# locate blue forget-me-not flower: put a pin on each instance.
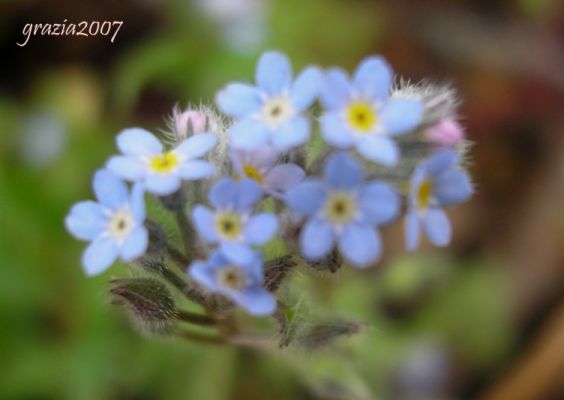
(272, 111)
(113, 225)
(161, 173)
(343, 209)
(435, 183)
(361, 114)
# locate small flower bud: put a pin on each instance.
(326, 333)
(189, 122)
(446, 133)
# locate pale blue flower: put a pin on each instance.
(242, 282)
(231, 224)
(271, 112)
(161, 172)
(435, 183)
(361, 115)
(114, 225)
(343, 209)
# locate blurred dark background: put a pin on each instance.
(481, 319)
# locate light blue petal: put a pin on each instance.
(373, 78)
(292, 134)
(452, 186)
(196, 146)
(248, 193)
(380, 149)
(306, 198)
(343, 171)
(204, 274)
(401, 115)
(306, 87)
(360, 245)
(439, 162)
(86, 220)
(248, 134)
(109, 189)
(162, 184)
(196, 169)
(204, 222)
(127, 167)
(379, 203)
(99, 255)
(283, 177)
(335, 132)
(411, 230)
(436, 226)
(223, 194)
(260, 228)
(335, 89)
(138, 202)
(255, 270)
(256, 300)
(135, 245)
(238, 100)
(316, 239)
(138, 142)
(237, 253)
(274, 72)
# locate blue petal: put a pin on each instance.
(401, 115)
(335, 132)
(379, 149)
(373, 78)
(306, 198)
(138, 202)
(238, 100)
(292, 134)
(335, 89)
(411, 230)
(283, 177)
(360, 244)
(204, 274)
(135, 245)
(248, 193)
(99, 255)
(379, 203)
(452, 187)
(196, 169)
(127, 167)
(237, 253)
(316, 239)
(436, 226)
(248, 134)
(256, 300)
(343, 171)
(109, 189)
(260, 228)
(138, 142)
(223, 194)
(196, 146)
(274, 72)
(86, 220)
(306, 87)
(162, 184)
(204, 222)
(439, 162)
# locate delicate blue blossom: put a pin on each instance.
(240, 281)
(271, 112)
(361, 114)
(435, 183)
(232, 224)
(343, 209)
(259, 165)
(114, 225)
(161, 172)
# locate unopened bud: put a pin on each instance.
(326, 333)
(189, 122)
(446, 133)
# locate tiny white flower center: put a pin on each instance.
(232, 277)
(340, 208)
(120, 225)
(276, 111)
(228, 225)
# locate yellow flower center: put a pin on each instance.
(340, 208)
(424, 194)
(252, 173)
(362, 116)
(232, 277)
(164, 163)
(228, 225)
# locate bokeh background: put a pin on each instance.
(481, 319)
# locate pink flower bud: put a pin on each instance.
(189, 122)
(446, 133)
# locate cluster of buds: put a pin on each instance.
(266, 169)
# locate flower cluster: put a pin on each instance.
(236, 182)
